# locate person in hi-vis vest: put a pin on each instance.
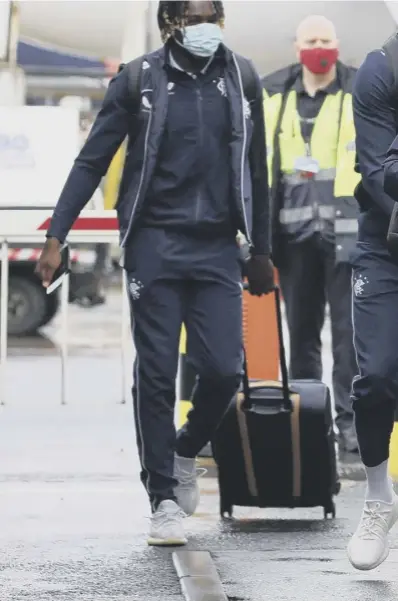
(311, 159)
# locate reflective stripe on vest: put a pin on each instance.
(303, 214)
(346, 226)
(341, 226)
(324, 175)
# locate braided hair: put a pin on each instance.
(172, 15)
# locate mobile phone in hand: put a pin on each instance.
(63, 269)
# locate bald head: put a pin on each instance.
(316, 31)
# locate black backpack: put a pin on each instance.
(249, 79)
(390, 47)
(391, 50)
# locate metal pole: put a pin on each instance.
(3, 321)
(14, 36)
(148, 27)
(134, 35)
(133, 44)
(12, 77)
(64, 335)
(125, 335)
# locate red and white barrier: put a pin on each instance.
(29, 226)
(26, 225)
(32, 255)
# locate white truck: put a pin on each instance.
(37, 148)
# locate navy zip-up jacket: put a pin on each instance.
(116, 119)
(190, 189)
(376, 127)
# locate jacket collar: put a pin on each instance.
(332, 88)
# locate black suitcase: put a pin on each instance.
(275, 446)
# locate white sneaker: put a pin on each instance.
(187, 490)
(166, 525)
(369, 546)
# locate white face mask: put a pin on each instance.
(202, 39)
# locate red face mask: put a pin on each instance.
(319, 60)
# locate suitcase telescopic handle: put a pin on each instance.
(287, 402)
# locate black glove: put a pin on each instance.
(259, 270)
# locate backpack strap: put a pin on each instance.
(390, 47)
(134, 69)
(249, 79)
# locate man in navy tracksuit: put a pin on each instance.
(195, 175)
(375, 302)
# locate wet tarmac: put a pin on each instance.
(74, 517)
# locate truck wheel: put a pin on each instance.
(52, 306)
(27, 306)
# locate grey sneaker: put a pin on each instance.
(369, 546)
(166, 525)
(187, 490)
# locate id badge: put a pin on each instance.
(306, 165)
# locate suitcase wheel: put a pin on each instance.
(329, 510)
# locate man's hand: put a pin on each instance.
(260, 275)
(49, 261)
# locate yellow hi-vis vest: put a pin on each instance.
(113, 178)
(331, 146)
